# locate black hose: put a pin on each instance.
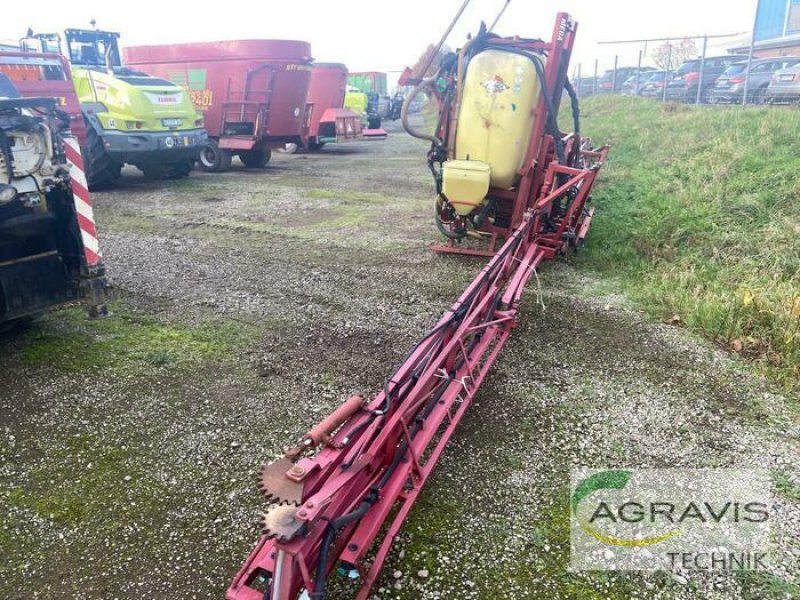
(333, 527)
(576, 111)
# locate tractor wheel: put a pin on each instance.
(255, 159)
(374, 122)
(14, 325)
(101, 170)
(212, 159)
(315, 146)
(167, 171)
(183, 168)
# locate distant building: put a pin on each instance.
(777, 30)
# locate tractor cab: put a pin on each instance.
(93, 48)
(88, 48)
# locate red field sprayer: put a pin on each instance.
(338, 499)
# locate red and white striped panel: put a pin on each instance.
(83, 201)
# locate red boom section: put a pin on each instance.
(331, 507)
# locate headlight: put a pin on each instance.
(7, 193)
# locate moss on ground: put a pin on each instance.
(129, 340)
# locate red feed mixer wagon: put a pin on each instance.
(328, 120)
(252, 93)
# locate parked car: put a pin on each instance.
(729, 87)
(784, 88)
(585, 87)
(684, 85)
(653, 86)
(630, 87)
(608, 80)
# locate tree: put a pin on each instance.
(681, 51)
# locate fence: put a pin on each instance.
(693, 81)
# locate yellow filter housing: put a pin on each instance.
(495, 118)
(465, 183)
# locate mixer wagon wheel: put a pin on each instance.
(101, 170)
(255, 159)
(315, 146)
(212, 159)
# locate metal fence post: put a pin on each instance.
(702, 71)
(594, 83)
(614, 76)
(638, 74)
(666, 74)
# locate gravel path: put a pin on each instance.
(118, 481)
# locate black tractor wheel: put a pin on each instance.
(374, 122)
(101, 170)
(255, 159)
(316, 146)
(175, 170)
(212, 159)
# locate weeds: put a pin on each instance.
(698, 221)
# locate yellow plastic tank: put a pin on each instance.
(495, 119)
(465, 183)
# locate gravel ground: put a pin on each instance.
(131, 477)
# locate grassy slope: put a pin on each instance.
(700, 219)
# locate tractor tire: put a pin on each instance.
(374, 122)
(167, 171)
(255, 159)
(214, 160)
(101, 170)
(316, 146)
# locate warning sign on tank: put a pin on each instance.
(495, 85)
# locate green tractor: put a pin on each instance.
(131, 117)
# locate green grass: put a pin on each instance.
(348, 196)
(86, 484)
(758, 585)
(699, 218)
(785, 487)
(129, 341)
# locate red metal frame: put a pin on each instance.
(374, 457)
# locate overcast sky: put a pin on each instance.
(380, 34)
